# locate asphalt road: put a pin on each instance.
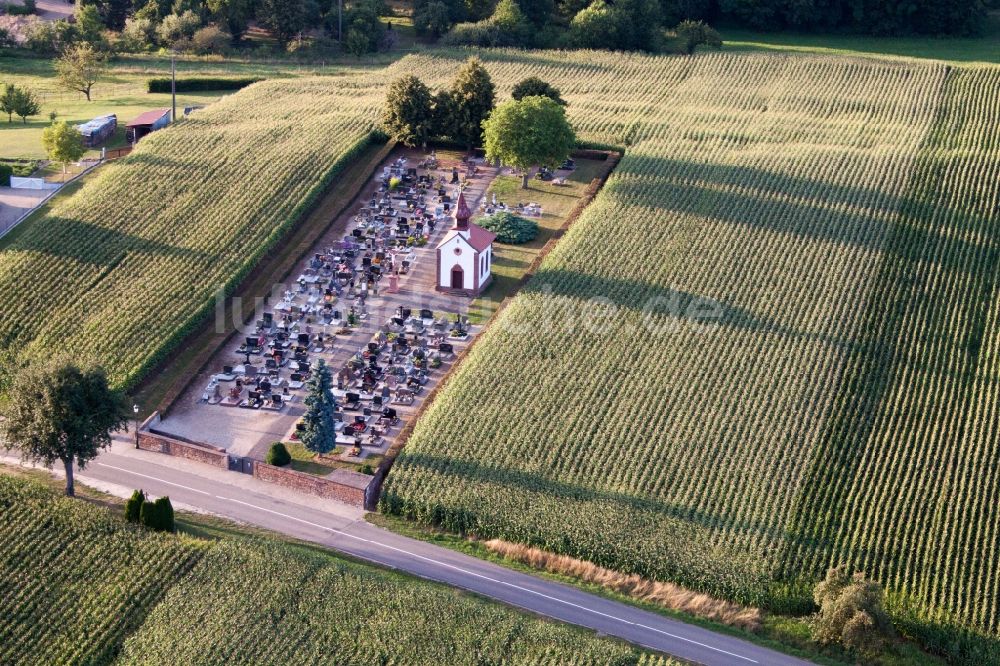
(368, 542)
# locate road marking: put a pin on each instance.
(440, 564)
(493, 580)
(152, 478)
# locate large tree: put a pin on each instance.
(57, 411)
(63, 143)
(408, 115)
(234, 14)
(472, 96)
(533, 130)
(284, 19)
(319, 434)
(80, 67)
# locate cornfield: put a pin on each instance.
(75, 581)
(124, 268)
(793, 361)
(799, 368)
(81, 586)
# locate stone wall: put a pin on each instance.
(151, 441)
(351, 491)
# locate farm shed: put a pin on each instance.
(147, 122)
(97, 131)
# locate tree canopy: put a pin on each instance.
(80, 67)
(63, 143)
(526, 132)
(408, 115)
(472, 97)
(59, 412)
(319, 434)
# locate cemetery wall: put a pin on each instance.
(314, 485)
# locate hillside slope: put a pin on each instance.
(768, 347)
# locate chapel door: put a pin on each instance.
(457, 278)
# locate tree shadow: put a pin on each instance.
(805, 207)
(95, 245)
(471, 470)
(650, 299)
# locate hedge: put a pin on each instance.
(199, 84)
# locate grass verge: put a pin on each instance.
(790, 635)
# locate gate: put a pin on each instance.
(242, 465)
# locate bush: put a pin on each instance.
(852, 613)
(506, 27)
(164, 514)
(432, 19)
(6, 171)
(692, 34)
(133, 507)
(278, 455)
(176, 29)
(198, 84)
(367, 469)
(511, 229)
(211, 39)
(138, 35)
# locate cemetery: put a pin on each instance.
(378, 310)
(366, 305)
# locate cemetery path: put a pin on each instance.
(342, 528)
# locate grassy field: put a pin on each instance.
(983, 48)
(765, 349)
(123, 91)
(512, 261)
(82, 586)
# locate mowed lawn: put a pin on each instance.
(984, 48)
(122, 92)
(511, 262)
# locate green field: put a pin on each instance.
(81, 586)
(143, 248)
(793, 364)
(983, 48)
(123, 92)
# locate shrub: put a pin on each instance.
(506, 27)
(278, 455)
(133, 507)
(6, 171)
(432, 19)
(692, 34)
(148, 515)
(211, 39)
(177, 28)
(198, 84)
(138, 35)
(164, 515)
(511, 229)
(851, 612)
(366, 469)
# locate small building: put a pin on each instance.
(147, 122)
(465, 255)
(97, 131)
